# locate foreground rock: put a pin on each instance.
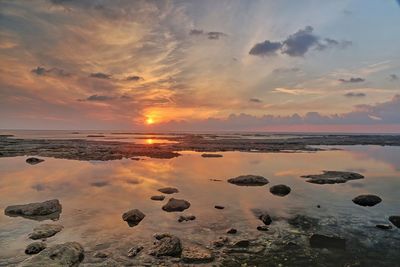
(33, 161)
(167, 245)
(133, 217)
(158, 198)
(209, 155)
(45, 231)
(196, 254)
(280, 190)
(133, 251)
(248, 180)
(265, 218)
(395, 220)
(185, 218)
(35, 248)
(32, 210)
(176, 205)
(62, 255)
(383, 226)
(367, 200)
(332, 177)
(231, 231)
(323, 241)
(168, 190)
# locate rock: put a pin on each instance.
(280, 190)
(160, 236)
(395, 220)
(32, 210)
(35, 248)
(248, 180)
(133, 251)
(133, 217)
(323, 241)
(265, 218)
(222, 240)
(184, 218)
(196, 254)
(383, 226)
(175, 205)
(262, 228)
(218, 207)
(319, 206)
(168, 190)
(100, 255)
(167, 246)
(61, 255)
(332, 177)
(303, 222)
(34, 161)
(367, 200)
(241, 244)
(45, 231)
(207, 155)
(158, 198)
(231, 231)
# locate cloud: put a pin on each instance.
(297, 44)
(352, 80)
(196, 32)
(100, 75)
(265, 48)
(255, 100)
(294, 91)
(134, 78)
(99, 98)
(213, 35)
(352, 94)
(285, 70)
(41, 71)
(393, 77)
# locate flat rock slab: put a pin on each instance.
(167, 246)
(209, 155)
(45, 231)
(168, 190)
(32, 210)
(248, 180)
(35, 248)
(367, 200)
(176, 205)
(133, 217)
(323, 241)
(332, 177)
(69, 254)
(158, 198)
(33, 161)
(395, 220)
(196, 254)
(280, 190)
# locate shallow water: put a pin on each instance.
(95, 194)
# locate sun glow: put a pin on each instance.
(149, 120)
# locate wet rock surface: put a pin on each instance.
(135, 250)
(67, 254)
(133, 217)
(35, 210)
(248, 180)
(45, 231)
(158, 198)
(196, 254)
(332, 177)
(34, 161)
(168, 190)
(35, 248)
(176, 205)
(280, 190)
(168, 245)
(367, 200)
(323, 241)
(395, 220)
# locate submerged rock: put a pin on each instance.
(218, 207)
(32, 210)
(248, 180)
(323, 241)
(280, 190)
(395, 220)
(44, 231)
(69, 254)
(176, 205)
(158, 198)
(383, 226)
(332, 177)
(262, 228)
(35, 248)
(133, 251)
(184, 218)
(196, 254)
(220, 242)
(209, 155)
(167, 246)
(168, 190)
(265, 218)
(100, 255)
(133, 217)
(367, 200)
(33, 161)
(231, 231)
(304, 222)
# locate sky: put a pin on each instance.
(259, 65)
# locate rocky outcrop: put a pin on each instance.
(168, 245)
(168, 190)
(332, 177)
(32, 210)
(280, 190)
(133, 217)
(248, 180)
(45, 231)
(176, 205)
(367, 200)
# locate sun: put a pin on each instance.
(149, 120)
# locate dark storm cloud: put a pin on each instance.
(352, 94)
(100, 75)
(255, 100)
(297, 44)
(99, 98)
(41, 71)
(134, 78)
(265, 48)
(352, 80)
(210, 35)
(393, 77)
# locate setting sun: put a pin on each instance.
(149, 121)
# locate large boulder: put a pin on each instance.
(168, 190)
(248, 180)
(395, 220)
(45, 230)
(168, 245)
(367, 200)
(51, 208)
(176, 205)
(323, 241)
(69, 254)
(133, 217)
(280, 190)
(332, 177)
